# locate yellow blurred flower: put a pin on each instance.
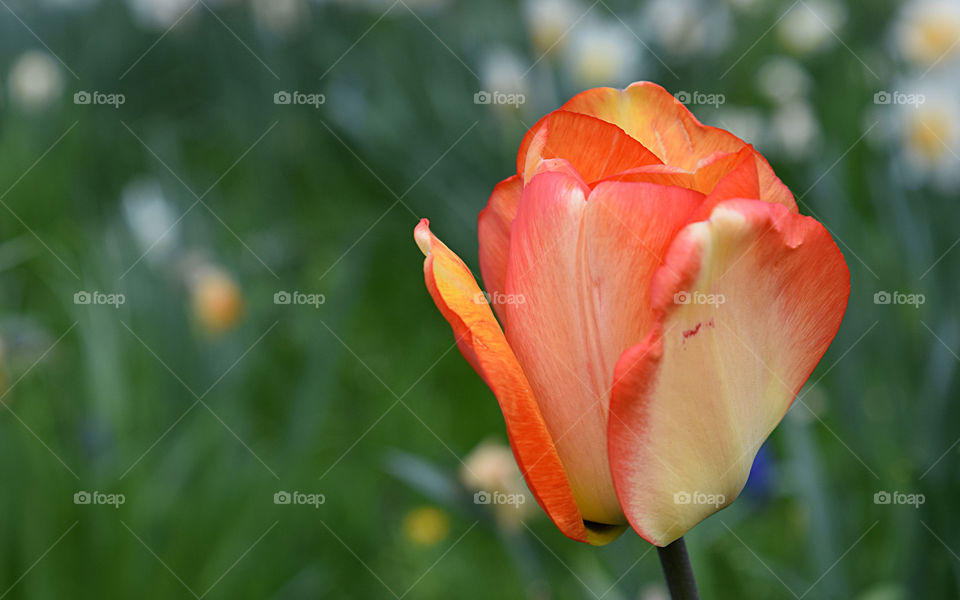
(925, 133)
(549, 22)
(426, 526)
(216, 298)
(928, 119)
(928, 31)
(602, 53)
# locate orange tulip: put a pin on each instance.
(662, 301)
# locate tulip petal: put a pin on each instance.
(482, 343)
(658, 174)
(493, 231)
(652, 116)
(724, 178)
(583, 269)
(694, 401)
(594, 147)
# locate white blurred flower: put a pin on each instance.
(687, 27)
(158, 14)
(654, 591)
(491, 468)
(782, 79)
(36, 81)
(279, 17)
(68, 4)
(748, 124)
(549, 21)
(928, 31)
(745, 5)
(795, 129)
(379, 6)
(503, 71)
(151, 219)
(602, 53)
(812, 25)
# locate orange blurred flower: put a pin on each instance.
(216, 298)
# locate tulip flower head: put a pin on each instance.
(653, 303)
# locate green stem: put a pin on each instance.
(677, 571)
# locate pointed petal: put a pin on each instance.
(692, 404)
(724, 178)
(582, 268)
(652, 116)
(594, 147)
(482, 343)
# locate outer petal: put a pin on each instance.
(692, 404)
(493, 232)
(594, 147)
(651, 115)
(482, 343)
(582, 269)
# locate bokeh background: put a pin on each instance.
(156, 194)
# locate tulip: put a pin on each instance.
(657, 303)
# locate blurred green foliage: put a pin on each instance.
(363, 399)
